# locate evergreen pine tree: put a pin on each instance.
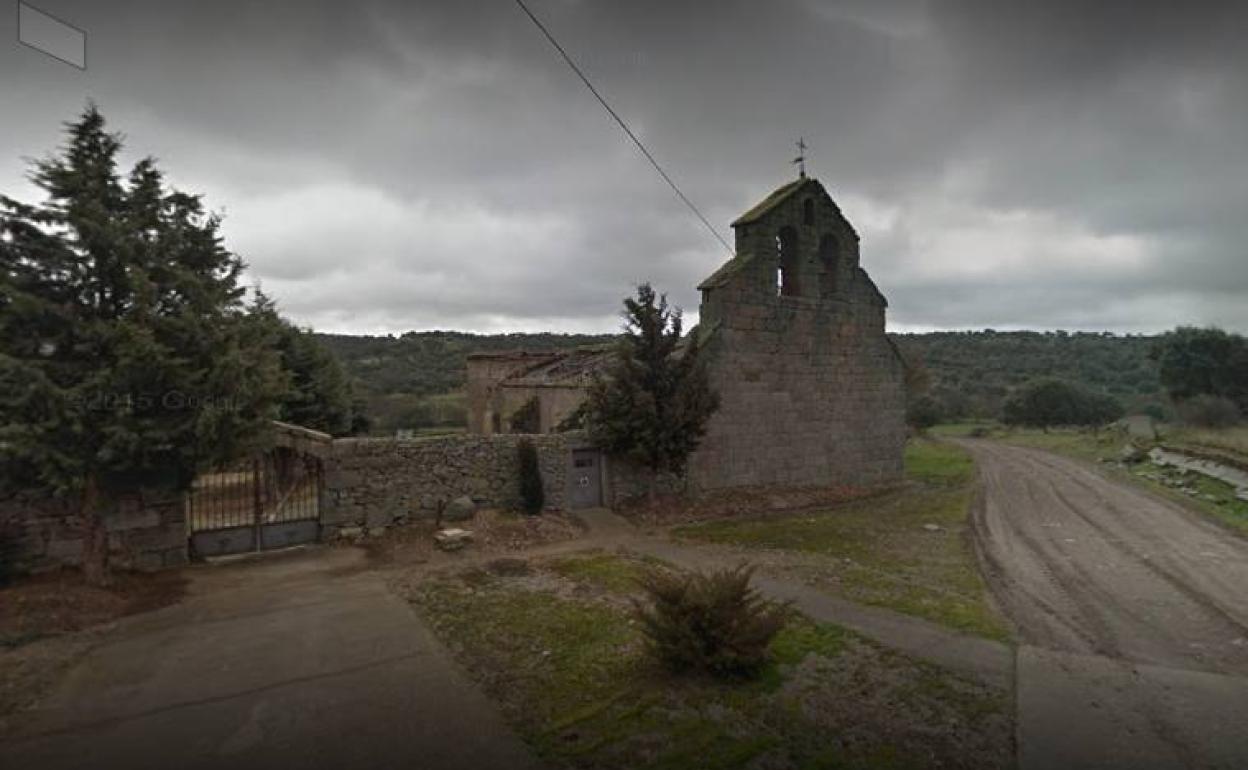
(320, 396)
(127, 360)
(654, 402)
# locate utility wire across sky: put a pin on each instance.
(623, 125)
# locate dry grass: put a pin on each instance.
(493, 531)
(555, 644)
(907, 550)
(60, 602)
(670, 510)
(1232, 441)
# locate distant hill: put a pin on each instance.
(972, 372)
(406, 379)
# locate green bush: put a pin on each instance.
(1051, 402)
(1209, 412)
(532, 493)
(708, 622)
(923, 412)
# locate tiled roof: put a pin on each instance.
(572, 367)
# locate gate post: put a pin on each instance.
(256, 502)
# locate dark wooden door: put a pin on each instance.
(585, 479)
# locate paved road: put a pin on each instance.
(300, 661)
(1132, 610)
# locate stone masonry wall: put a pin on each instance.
(811, 389)
(377, 483)
(148, 532)
(626, 482)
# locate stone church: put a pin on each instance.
(793, 332)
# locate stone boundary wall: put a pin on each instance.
(369, 484)
(39, 532)
(374, 483)
(625, 482)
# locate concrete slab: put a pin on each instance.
(324, 670)
(1081, 711)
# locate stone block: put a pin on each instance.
(148, 561)
(65, 551)
(130, 518)
(461, 508)
(378, 517)
(452, 539)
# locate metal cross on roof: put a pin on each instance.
(800, 160)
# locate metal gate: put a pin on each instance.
(272, 500)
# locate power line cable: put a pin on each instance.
(623, 125)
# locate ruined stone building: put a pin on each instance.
(793, 331)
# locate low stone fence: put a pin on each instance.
(39, 532)
(373, 483)
(369, 484)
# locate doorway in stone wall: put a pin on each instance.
(585, 479)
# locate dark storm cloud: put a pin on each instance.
(386, 166)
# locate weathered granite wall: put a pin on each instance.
(147, 532)
(375, 483)
(811, 389)
(625, 482)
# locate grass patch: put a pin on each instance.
(569, 669)
(603, 570)
(963, 429)
(1229, 441)
(934, 462)
(880, 550)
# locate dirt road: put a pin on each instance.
(1086, 565)
(1132, 615)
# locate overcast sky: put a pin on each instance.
(384, 167)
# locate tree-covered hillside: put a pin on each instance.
(405, 380)
(973, 372)
(416, 380)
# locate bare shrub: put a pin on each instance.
(1209, 412)
(708, 622)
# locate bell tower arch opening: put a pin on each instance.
(788, 265)
(830, 262)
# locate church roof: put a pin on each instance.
(775, 199)
(726, 271)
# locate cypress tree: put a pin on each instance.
(320, 395)
(127, 359)
(532, 492)
(653, 403)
